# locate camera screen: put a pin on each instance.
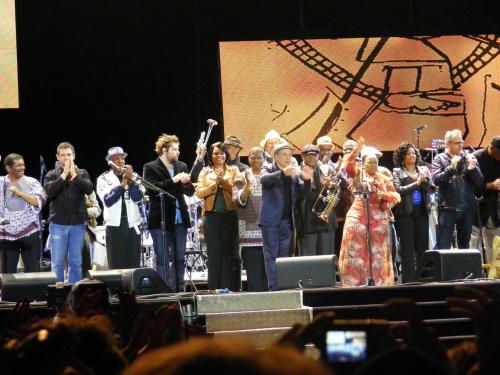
(346, 346)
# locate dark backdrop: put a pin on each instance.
(106, 73)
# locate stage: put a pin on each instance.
(347, 303)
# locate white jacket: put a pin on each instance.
(112, 215)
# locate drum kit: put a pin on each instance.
(196, 257)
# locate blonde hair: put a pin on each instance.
(452, 134)
(165, 141)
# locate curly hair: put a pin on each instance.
(399, 154)
(165, 141)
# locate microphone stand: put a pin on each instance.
(365, 195)
(162, 193)
(417, 131)
(143, 229)
(43, 171)
(480, 239)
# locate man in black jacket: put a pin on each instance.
(316, 236)
(489, 208)
(171, 175)
(66, 187)
(456, 174)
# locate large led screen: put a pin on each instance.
(9, 93)
(380, 88)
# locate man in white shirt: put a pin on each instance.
(121, 196)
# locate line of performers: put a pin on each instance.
(253, 214)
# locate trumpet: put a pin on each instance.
(201, 145)
(133, 176)
(204, 139)
(326, 203)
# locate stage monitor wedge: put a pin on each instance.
(142, 281)
(307, 272)
(33, 285)
(448, 265)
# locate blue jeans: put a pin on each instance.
(276, 244)
(447, 221)
(176, 243)
(67, 241)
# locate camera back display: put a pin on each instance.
(346, 346)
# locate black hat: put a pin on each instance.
(309, 149)
(495, 142)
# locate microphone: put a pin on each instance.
(420, 128)
(212, 122)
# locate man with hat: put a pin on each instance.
(347, 148)
(456, 174)
(325, 147)
(337, 172)
(316, 236)
(271, 138)
(488, 159)
(233, 145)
(121, 196)
(282, 185)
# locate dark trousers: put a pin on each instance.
(276, 243)
(253, 261)
(447, 221)
(224, 261)
(29, 249)
(123, 247)
(318, 243)
(171, 262)
(413, 233)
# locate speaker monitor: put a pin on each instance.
(142, 281)
(307, 272)
(33, 285)
(442, 265)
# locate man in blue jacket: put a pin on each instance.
(281, 188)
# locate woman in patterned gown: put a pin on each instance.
(354, 259)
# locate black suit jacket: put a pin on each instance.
(405, 186)
(157, 173)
